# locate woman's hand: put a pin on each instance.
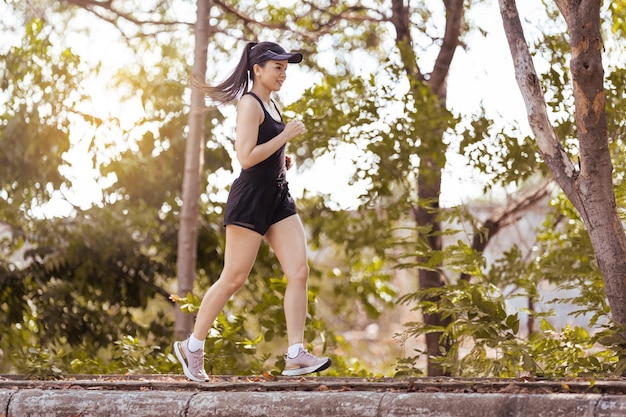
(293, 128)
(288, 161)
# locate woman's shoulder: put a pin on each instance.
(249, 101)
(248, 105)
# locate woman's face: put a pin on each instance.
(271, 75)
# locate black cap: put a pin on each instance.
(266, 51)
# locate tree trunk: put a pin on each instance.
(194, 160)
(589, 188)
(426, 214)
(432, 151)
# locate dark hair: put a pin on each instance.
(237, 83)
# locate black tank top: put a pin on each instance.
(273, 168)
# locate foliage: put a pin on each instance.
(134, 357)
(38, 92)
(487, 342)
(91, 293)
(341, 111)
(562, 256)
(618, 14)
(39, 363)
(85, 296)
(128, 356)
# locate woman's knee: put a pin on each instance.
(298, 275)
(233, 281)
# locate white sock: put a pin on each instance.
(293, 350)
(194, 344)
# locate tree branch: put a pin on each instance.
(550, 148)
(400, 20)
(247, 18)
(454, 15)
(93, 5)
(353, 14)
(505, 216)
(106, 11)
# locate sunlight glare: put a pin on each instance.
(101, 129)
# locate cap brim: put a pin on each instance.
(291, 57)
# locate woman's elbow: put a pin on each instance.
(245, 163)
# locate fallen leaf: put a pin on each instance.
(268, 375)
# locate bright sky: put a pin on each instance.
(481, 74)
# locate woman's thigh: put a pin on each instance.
(288, 241)
(242, 247)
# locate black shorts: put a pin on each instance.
(258, 206)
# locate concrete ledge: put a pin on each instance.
(271, 404)
(255, 397)
(5, 398)
(40, 403)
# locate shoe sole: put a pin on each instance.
(308, 370)
(181, 359)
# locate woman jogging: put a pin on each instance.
(259, 206)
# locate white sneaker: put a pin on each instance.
(193, 362)
(305, 363)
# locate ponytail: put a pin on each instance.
(237, 83)
(232, 87)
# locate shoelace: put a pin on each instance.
(307, 355)
(196, 361)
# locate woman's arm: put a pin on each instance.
(249, 117)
